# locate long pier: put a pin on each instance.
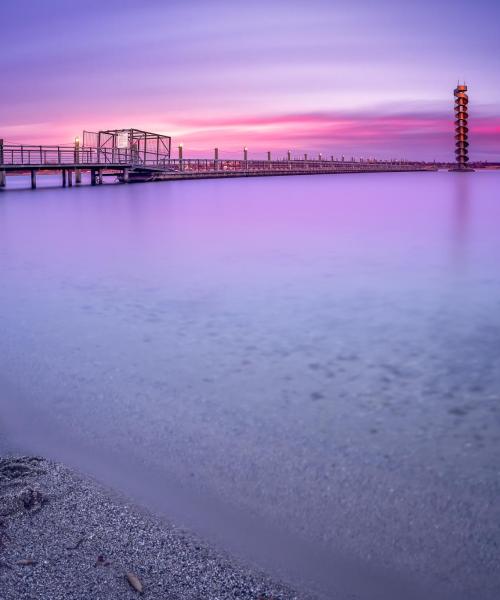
(139, 164)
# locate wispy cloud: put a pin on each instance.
(416, 134)
(323, 76)
(412, 134)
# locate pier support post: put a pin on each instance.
(92, 177)
(33, 179)
(70, 178)
(125, 175)
(63, 174)
(99, 176)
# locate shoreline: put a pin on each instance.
(65, 536)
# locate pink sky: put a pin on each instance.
(358, 79)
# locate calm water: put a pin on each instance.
(305, 371)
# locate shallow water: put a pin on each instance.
(304, 370)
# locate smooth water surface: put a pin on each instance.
(304, 370)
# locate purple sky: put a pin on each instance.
(363, 78)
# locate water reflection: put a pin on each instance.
(461, 217)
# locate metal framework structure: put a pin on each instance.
(131, 146)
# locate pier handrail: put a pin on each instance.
(145, 165)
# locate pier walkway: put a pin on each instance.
(138, 163)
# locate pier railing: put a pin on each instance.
(186, 166)
(32, 156)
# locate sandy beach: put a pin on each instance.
(65, 537)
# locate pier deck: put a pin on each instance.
(129, 166)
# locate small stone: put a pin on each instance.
(134, 582)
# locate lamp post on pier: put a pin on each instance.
(179, 148)
(78, 172)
